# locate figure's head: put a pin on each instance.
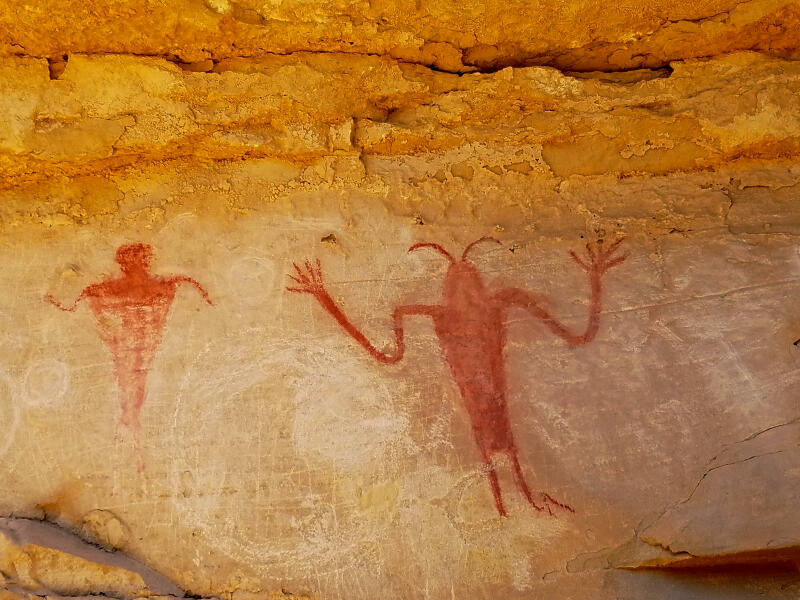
(134, 257)
(462, 276)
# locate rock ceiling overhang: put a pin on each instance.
(456, 37)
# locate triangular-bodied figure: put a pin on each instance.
(131, 313)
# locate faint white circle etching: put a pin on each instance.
(253, 278)
(209, 494)
(45, 382)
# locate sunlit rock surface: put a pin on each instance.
(449, 36)
(222, 197)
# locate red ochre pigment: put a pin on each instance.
(131, 313)
(470, 323)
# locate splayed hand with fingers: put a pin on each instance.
(309, 280)
(599, 258)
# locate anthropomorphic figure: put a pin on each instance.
(470, 322)
(131, 312)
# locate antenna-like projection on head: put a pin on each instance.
(476, 242)
(436, 247)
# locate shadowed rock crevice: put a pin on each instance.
(736, 516)
(622, 74)
(42, 558)
(787, 558)
(46, 558)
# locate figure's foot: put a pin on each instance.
(495, 485)
(532, 502)
(551, 504)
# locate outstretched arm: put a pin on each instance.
(191, 281)
(309, 281)
(598, 260)
(72, 307)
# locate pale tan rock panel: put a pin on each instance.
(278, 454)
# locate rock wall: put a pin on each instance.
(284, 367)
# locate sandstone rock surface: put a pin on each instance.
(190, 426)
(450, 36)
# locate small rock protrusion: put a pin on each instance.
(340, 135)
(57, 66)
(496, 169)
(440, 175)
(463, 170)
(220, 7)
(520, 167)
(102, 527)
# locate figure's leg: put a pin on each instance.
(132, 369)
(139, 394)
(137, 449)
(519, 478)
(127, 429)
(523, 487)
(494, 483)
(550, 500)
(132, 394)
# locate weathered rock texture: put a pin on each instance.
(105, 114)
(275, 457)
(450, 36)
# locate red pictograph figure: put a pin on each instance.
(470, 322)
(131, 313)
